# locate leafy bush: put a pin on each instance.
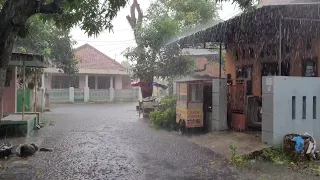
(165, 114)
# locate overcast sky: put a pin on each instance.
(114, 43)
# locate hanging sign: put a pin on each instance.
(183, 89)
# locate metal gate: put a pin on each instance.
(79, 95)
(237, 96)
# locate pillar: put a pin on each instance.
(71, 94)
(86, 81)
(111, 89)
(15, 81)
(96, 82)
(42, 81)
(86, 89)
(219, 105)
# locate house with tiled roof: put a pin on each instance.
(97, 71)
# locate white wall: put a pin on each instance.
(278, 110)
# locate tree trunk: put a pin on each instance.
(13, 18)
(136, 25)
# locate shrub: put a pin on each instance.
(165, 114)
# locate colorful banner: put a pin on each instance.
(195, 118)
(183, 89)
(181, 113)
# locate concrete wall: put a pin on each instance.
(282, 115)
(10, 94)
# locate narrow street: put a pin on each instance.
(108, 141)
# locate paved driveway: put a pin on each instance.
(108, 141)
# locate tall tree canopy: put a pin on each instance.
(55, 44)
(91, 16)
(164, 20)
(245, 5)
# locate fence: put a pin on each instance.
(59, 95)
(99, 95)
(93, 95)
(126, 95)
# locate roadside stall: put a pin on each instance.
(148, 103)
(194, 103)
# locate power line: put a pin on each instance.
(83, 40)
(109, 44)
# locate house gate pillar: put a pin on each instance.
(111, 89)
(218, 121)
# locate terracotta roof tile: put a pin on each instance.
(91, 58)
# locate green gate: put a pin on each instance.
(27, 100)
(79, 95)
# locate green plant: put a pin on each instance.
(317, 170)
(165, 114)
(276, 156)
(236, 160)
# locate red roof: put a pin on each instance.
(91, 58)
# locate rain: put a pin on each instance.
(166, 89)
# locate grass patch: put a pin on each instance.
(45, 122)
(277, 156)
(236, 160)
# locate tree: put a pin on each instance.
(126, 64)
(164, 20)
(91, 16)
(55, 44)
(245, 5)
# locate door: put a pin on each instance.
(79, 95)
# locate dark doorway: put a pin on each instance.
(207, 105)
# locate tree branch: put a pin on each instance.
(52, 8)
(134, 23)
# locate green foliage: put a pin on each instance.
(91, 16)
(245, 5)
(277, 156)
(166, 19)
(53, 43)
(165, 114)
(236, 160)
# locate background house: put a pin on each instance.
(99, 78)
(96, 71)
(207, 63)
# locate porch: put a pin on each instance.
(88, 88)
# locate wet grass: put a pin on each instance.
(46, 122)
(279, 159)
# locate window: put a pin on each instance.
(293, 109)
(92, 82)
(75, 81)
(8, 78)
(62, 82)
(103, 82)
(304, 107)
(195, 92)
(183, 90)
(310, 67)
(314, 110)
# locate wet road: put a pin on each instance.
(108, 141)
